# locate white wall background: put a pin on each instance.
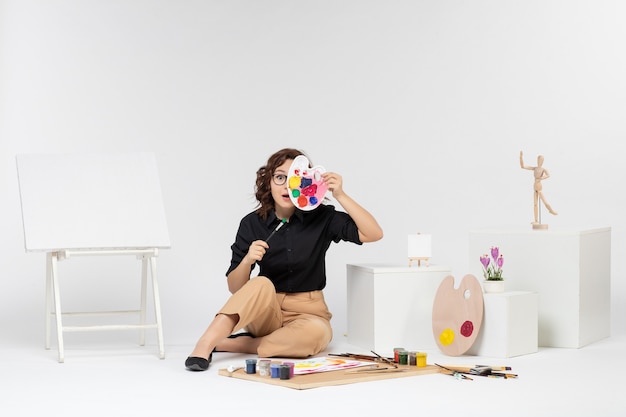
(422, 106)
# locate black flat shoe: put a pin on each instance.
(236, 335)
(194, 363)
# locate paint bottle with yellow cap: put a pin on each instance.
(420, 359)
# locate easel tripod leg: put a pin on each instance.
(48, 297)
(57, 306)
(144, 290)
(157, 307)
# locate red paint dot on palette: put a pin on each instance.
(310, 190)
(467, 328)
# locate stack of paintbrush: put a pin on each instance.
(466, 372)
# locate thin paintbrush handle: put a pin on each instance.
(283, 221)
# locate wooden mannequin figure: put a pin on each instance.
(540, 174)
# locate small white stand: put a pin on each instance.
(510, 325)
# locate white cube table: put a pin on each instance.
(569, 269)
(510, 325)
(391, 306)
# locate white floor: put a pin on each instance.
(125, 379)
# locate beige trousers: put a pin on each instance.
(294, 325)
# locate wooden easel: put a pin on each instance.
(419, 260)
(94, 205)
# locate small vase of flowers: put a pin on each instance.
(492, 271)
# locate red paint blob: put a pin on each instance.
(467, 328)
(310, 190)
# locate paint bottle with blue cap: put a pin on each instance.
(275, 370)
(251, 366)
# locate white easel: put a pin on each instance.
(94, 205)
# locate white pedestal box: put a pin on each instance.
(509, 326)
(570, 271)
(391, 306)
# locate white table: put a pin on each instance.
(391, 306)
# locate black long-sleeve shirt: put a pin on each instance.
(296, 258)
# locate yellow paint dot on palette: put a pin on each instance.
(446, 337)
(294, 182)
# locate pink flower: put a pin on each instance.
(500, 261)
(485, 260)
(492, 271)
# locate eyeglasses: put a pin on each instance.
(279, 179)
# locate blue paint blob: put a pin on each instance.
(305, 182)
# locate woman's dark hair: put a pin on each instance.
(263, 186)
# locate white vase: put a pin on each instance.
(492, 287)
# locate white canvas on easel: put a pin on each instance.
(103, 201)
(92, 205)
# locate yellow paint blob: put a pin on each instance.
(446, 337)
(294, 182)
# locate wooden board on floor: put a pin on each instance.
(340, 377)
